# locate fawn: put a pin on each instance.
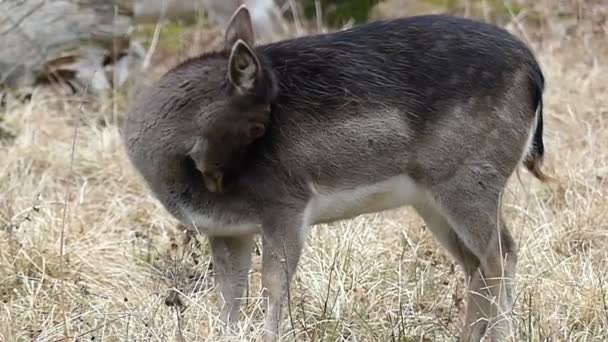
(434, 112)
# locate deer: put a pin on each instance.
(433, 112)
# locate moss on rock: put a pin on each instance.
(339, 12)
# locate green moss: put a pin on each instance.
(503, 7)
(495, 7)
(448, 4)
(168, 39)
(339, 12)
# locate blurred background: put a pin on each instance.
(86, 254)
(102, 44)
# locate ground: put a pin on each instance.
(112, 265)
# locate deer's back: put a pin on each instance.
(420, 63)
(417, 96)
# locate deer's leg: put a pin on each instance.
(232, 262)
(283, 240)
(470, 204)
(490, 291)
(447, 237)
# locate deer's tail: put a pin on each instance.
(534, 159)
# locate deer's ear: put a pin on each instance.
(239, 27)
(244, 68)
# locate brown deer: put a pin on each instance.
(435, 112)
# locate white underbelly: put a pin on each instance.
(325, 206)
(209, 226)
(328, 206)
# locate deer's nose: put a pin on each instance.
(213, 180)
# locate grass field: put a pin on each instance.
(112, 265)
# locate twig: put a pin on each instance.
(331, 272)
(291, 321)
(65, 212)
(179, 324)
(146, 62)
(26, 38)
(319, 15)
(15, 23)
(296, 16)
(128, 322)
(102, 326)
(114, 74)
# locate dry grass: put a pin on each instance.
(376, 278)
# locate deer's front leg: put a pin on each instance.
(232, 262)
(283, 239)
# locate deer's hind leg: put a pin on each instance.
(447, 237)
(469, 204)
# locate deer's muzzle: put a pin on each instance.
(214, 181)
